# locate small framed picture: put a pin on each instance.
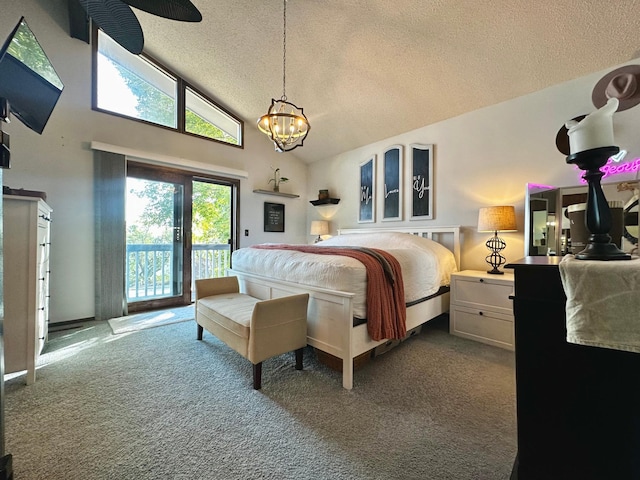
(273, 217)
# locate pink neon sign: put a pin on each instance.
(613, 168)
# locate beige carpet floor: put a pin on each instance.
(155, 318)
(159, 404)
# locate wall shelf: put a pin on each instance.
(325, 201)
(277, 194)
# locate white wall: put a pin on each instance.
(60, 161)
(482, 158)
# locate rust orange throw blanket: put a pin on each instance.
(386, 309)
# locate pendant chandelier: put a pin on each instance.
(284, 123)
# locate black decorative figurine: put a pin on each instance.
(598, 214)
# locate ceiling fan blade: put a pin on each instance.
(182, 10)
(117, 20)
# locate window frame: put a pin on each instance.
(181, 86)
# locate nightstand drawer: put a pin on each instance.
(476, 292)
(483, 326)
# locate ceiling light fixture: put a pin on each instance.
(284, 123)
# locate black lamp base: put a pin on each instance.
(495, 245)
(598, 215)
(495, 271)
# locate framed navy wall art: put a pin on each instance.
(421, 182)
(273, 217)
(392, 184)
(367, 211)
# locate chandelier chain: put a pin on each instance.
(284, 123)
(284, 53)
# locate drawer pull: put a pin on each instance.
(480, 313)
(482, 280)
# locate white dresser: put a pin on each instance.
(481, 308)
(27, 230)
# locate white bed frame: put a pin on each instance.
(330, 315)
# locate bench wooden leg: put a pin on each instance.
(299, 353)
(257, 376)
(200, 329)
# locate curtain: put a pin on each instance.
(110, 177)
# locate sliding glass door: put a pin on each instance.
(155, 234)
(211, 230)
(180, 227)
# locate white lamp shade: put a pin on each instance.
(319, 227)
(497, 219)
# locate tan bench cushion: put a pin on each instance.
(232, 311)
(256, 329)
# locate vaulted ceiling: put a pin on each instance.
(365, 70)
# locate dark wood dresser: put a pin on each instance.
(578, 407)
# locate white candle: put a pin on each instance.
(595, 130)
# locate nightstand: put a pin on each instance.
(481, 309)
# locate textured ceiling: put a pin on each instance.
(365, 70)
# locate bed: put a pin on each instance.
(336, 320)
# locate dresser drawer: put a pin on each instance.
(478, 292)
(483, 326)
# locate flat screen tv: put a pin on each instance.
(28, 81)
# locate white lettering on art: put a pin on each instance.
(419, 185)
(389, 192)
(365, 194)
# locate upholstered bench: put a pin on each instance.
(256, 329)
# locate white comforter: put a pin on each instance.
(426, 265)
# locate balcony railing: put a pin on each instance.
(150, 268)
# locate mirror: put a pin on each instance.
(540, 215)
(550, 212)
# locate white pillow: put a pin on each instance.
(399, 241)
(383, 240)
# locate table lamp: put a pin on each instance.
(496, 219)
(319, 227)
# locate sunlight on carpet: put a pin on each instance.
(156, 318)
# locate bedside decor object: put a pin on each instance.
(323, 194)
(496, 219)
(284, 123)
(319, 228)
(591, 144)
(277, 180)
(273, 217)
